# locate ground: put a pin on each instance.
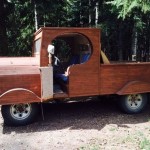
(92, 125)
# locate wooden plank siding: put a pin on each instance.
(125, 78)
(83, 78)
(19, 77)
(49, 34)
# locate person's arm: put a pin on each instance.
(67, 72)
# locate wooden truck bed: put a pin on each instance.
(124, 78)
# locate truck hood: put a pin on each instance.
(19, 61)
(19, 65)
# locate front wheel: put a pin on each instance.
(133, 103)
(19, 114)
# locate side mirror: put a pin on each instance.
(51, 49)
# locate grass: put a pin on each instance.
(138, 139)
(90, 147)
(145, 144)
(113, 129)
(129, 138)
(139, 134)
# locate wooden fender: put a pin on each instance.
(18, 95)
(135, 87)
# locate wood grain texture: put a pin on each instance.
(124, 78)
(49, 34)
(83, 78)
(19, 77)
(83, 84)
(134, 87)
(18, 70)
(18, 61)
(60, 95)
(30, 81)
(91, 78)
(18, 95)
(87, 79)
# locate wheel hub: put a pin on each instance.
(134, 101)
(20, 111)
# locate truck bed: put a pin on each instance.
(124, 78)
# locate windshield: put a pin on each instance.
(37, 46)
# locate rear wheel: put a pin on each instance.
(19, 114)
(133, 103)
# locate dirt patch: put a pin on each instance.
(80, 126)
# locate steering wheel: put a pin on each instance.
(56, 61)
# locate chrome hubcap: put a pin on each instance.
(134, 101)
(20, 111)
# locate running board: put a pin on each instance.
(60, 95)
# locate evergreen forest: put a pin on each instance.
(125, 24)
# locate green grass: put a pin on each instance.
(89, 147)
(145, 144)
(137, 139)
(112, 129)
(139, 134)
(129, 138)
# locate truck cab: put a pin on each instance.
(78, 50)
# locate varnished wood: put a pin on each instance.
(16, 73)
(87, 79)
(125, 78)
(18, 95)
(83, 79)
(18, 61)
(61, 95)
(49, 34)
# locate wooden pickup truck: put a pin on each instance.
(83, 71)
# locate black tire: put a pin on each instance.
(133, 103)
(19, 114)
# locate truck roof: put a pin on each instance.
(64, 28)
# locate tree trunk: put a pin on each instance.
(35, 16)
(134, 43)
(90, 15)
(148, 39)
(120, 42)
(80, 5)
(3, 35)
(96, 14)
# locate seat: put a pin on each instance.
(74, 60)
(64, 77)
(84, 58)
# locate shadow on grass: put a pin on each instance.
(81, 115)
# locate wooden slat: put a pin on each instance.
(83, 85)
(31, 82)
(49, 34)
(84, 78)
(60, 95)
(18, 96)
(19, 70)
(21, 61)
(119, 78)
